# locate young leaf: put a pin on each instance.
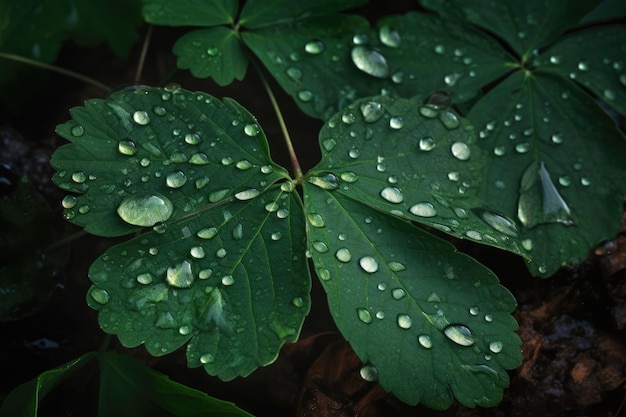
(595, 58)
(128, 387)
(524, 25)
(24, 400)
(413, 159)
(554, 162)
(430, 324)
(190, 12)
(214, 52)
(223, 267)
(258, 13)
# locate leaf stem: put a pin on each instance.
(144, 51)
(54, 68)
(283, 127)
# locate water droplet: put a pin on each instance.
(77, 131)
(522, 147)
(368, 264)
(197, 252)
(425, 341)
(79, 177)
(145, 278)
(326, 181)
(228, 280)
(396, 266)
(396, 122)
(440, 49)
(426, 144)
(473, 234)
(495, 347)
(305, 95)
(180, 276)
(354, 153)
(251, 130)
(176, 179)
(474, 311)
(369, 373)
(153, 251)
(370, 61)
(451, 79)
(207, 233)
(459, 334)
(364, 315)
(141, 117)
(99, 295)
(398, 293)
(314, 47)
(343, 255)
(205, 274)
(389, 37)
(315, 220)
(423, 209)
(69, 201)
(349, 177)
(382, 286)
(372, 111)
(555, 59)
(329, 144)
(220, 253)
(127, 147)
(324, 274)
(449, 120)
(294, 73)
(276, 236)
(145, 210)
(282, 213)
(247, 194)
(499, 222)
(320, 246)
(218, 195)
(404, 321)
(609, 95)
(428, 112)
(392, 194)
(460, 151)
(206, 358)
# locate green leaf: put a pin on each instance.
(328, 62)
(224, 266)
(24, 400)
(214, 52)
(524, 25)
(554, 162)
(258, 13)
(190, 12)
(595, 58)
(128, 387)
(412, 159)
(430, 324)
(606, 10)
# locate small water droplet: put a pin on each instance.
(320, 246)
(555, 59)
(69, 201)
(364, 315)
(145, 278)
(282, 213)
(392, 194)
(354, 153)
(127, 147)
(389, 37)
(396, 266)
(145, 210)
(326, 181)
(495, 347)
(349, 177)
(451, 79)
(425, 341)
(428, 112)
(141, 117)
(324, 274)
(398, 293)
(427, 144)
(247, 194)
(369, 373)
(368, 264)
(404, 321)
(474, 311)
(314, 47)
(460, 151)
(370, 61)
(228, 280)
(488, 318)
(396, 122)
(220, 253)
(79, 177)
(372, 111)
(609, 95)
(276, 236)
(176, 179)
(459, 334)
(180, 276)
(207, 233)
(218, 195)
(583, 65)
(99, 295)
(305, 95)
(522, 147)
(206, 358)
(316, 220)
(251, 130)
(77, 131)
(329, 144)
(449, 120)
(498, 222)
(205, 274)
(473, 234)
(424, 209)
(294, 73)
(343, 255)
(440, 49)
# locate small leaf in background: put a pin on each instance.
(128, 387)
(554, 162)
(430, 324)
(415, 159)
(25, 399)
(224, 265)
(215, 52)
(601, 68)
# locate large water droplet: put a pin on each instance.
(145, 210)
(404, 321)
(425, 341)
(392, 194)
(389, 37)
(127, 147)
(180, 276)
(326, 181)
(343, 255)
(228, 280)
(370, 61)
(315, 219)
(496, 347)
(251, 129)
(176, 179)
(396, 122)
(368, 264)
(69, 201)
(197, 252)
(314, 47)
(141, 117)
(369, 373)
(424, 209)
(364, 315)
(372, 111)
(398, 293)
(247, 194)
(499, 222)
(427, 144)
(459, 334)
(460, 151)
(99, 295)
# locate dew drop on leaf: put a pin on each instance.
(364, 315)
(392, 195)
(404, 321)
(425, 341)
(192, 138)
(316, 220)
(343, 255)
(372, 111)
(207, 233)
(370, 61)
(320, 246)
(199, 159)
(449, 120)
(426, 144)
(77, 131)
(247, 194)
(460, 151)
(498, 222)
(368, 264)
(305, 95)
(197, 252)
(99, 295)
(398, 293)
(428, 112)
(228, 280)
(69, 201)
(251, 130)
(396, 266)
(495, 347)
(423, 209)
(127, 147)
(145, 210)
(176, 179)
(369, 373)
(145, 278)
(326, 181)
(459, 334)
(389, 37)
(141, 117)
(218, 195)
(180, 276)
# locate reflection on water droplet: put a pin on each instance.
(69, 201)
(314, 47)
(424, 209)
(427, 144)
(79, 177)
(369, 373)
(349, 177)
(315, 220)
(498, 221)
(398, 293)
(145, 210)
(251, 130)
(474, 311)
(368, 264)
(425, 341)
(320, 246)
(180, 276)
(460, 151)
(459, 334)
(449, 120)
(392, 195)
(396, 122)
(404, 321)
(326, 181)
(389, 37)
(496, 347)
(247, 194)
(372, 111)
(370, 61)
(77, 131)
(141, 117)
(145, 278)
(176, 179)
(343, 255)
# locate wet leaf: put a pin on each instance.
(221, 268)
(412, 159)
(259, 13)
(553, 161)
(24, 400)
(595, 58)
(430, 324)
(215, 52)
(128, 387)
(525, 26)
(190, 12)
